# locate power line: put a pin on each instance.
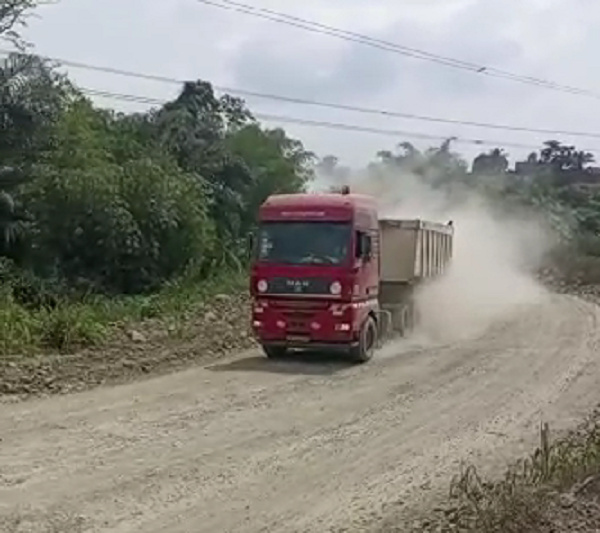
(329, 125)
(316, 103)
(316, 27)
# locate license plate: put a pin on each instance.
(297, 338)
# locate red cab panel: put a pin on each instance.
(313, 281)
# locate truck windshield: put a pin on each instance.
(301, 243)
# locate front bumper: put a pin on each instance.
(304, 323)
(317, 346)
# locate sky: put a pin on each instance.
(555, 40)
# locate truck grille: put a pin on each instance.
(287, 285)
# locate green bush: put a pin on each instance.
(69, 324)
(117, 229)
(19, 329)
(61, 329)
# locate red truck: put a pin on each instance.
(327, 274)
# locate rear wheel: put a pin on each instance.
(367, 342)
(274, 352)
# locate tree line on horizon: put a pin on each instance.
(553, 160)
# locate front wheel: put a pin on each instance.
(367, 342)
(274, 352)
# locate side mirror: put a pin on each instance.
(363, 246)
(367, 247)
(359, 248)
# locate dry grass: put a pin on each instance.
(537, 494)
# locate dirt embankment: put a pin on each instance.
(221, 327)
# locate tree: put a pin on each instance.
(407, 158)
(13, 17)
(194, 128)
(437, 166)
(10, 219)
(278, 164)
(493, 163)
(443, 166)
(564, 157)
(32, 99)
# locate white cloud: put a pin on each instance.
(552, 39)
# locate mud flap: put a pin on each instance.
(384, 326)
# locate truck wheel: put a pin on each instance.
(366, 343)
(274, 352)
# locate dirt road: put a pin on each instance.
(250, 445)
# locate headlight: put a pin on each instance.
(262, 285)
(335, 288)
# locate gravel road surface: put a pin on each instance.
(249, 445)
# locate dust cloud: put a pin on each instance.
(490, 276)
(496, 251)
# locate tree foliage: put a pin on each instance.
(559, 180)
(120, 203)
(32, 99)
(13, 17)
(563, 157)
(493, 163)
(436, 166)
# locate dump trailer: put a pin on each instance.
(329, 274)
(412, 251)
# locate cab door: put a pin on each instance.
(366, 265)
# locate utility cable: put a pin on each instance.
(330, 125)
(324, 29)
(316, 103)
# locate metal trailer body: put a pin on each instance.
(411, 252)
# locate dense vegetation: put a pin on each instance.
(97, 202)
(97, 205)
(122, 203)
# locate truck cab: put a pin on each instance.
(315, 274)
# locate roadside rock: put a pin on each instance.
(136, 336)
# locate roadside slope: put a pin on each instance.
(252, 445)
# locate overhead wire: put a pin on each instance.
(317, 27)
(284, 119)
(315, 103)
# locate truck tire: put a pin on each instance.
(367, 342)
(274, 352)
